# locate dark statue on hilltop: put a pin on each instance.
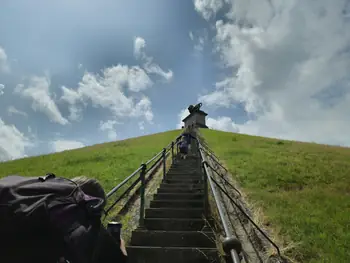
(195, 108)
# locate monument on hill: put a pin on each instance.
(196, 118)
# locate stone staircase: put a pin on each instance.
(175, 230)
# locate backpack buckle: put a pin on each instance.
(46, 177)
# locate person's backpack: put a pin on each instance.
(45, 218)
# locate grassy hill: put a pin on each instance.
(303, 188)
(110, 162)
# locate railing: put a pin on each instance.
(231, 245)
(205, 151)
(140, 175)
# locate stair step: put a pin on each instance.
(176, 203)
(182, 181)
(183, 177)
(138, 254)
(179, 190)
(182, 185)
(173, 239)
(178, 196)
(174, 212)
(174, 224)
(184, 170)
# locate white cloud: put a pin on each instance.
(109, 126)
(138, 79)
(208, 8)
(38, 92)
(80, 66)
(289, 63)
(141, 125)
(183, 114)
(63, 145)
(191, 35)
(2, 87)
(143, 107)
(12, 110)
(4, 66)
(155, 69)
(149, 65)
(107, 91)
(222, 124)
(13, 143)
(200, 38)
(139, 45)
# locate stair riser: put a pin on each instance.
(178, 197)
(174, 213)
(183, 177)
(178, 191)
(173, 239)
(171, 255)
(179, 181)
(170, 204)
(184, 186)
(167, 224)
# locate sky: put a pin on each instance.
(78, 73)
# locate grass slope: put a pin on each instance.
(109, 163)
(303, 188)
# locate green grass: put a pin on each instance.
(303, 188)
(109, 163)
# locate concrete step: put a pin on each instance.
(174, 212)
(183, 176)
(182, 181)
(138, 254)
(178, 196)
(182, 185)
(192, 168)
(176, 204)
(175, 190)
(173, 239)
(174, 224)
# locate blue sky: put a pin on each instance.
(75, 73)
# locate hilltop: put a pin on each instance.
(302, 188)
(109, 163)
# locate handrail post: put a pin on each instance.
(172, 151)
(206, 199)
(164, 163)
(142, 195)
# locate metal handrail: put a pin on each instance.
(234, 251)
(211, 178)
(142, 171)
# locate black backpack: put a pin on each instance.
(45, 218)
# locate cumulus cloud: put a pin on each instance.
(2, 87)
(63, 145)
(12, 110)
(13, 143)
(289, 62)
(38, 92)
(4, 65)
(183, 114)
(222, 124)
(138, 79)
(139, 45)
(149, 65)
(199, 40)
(208, 8)
(108, 91)
(109, 127)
